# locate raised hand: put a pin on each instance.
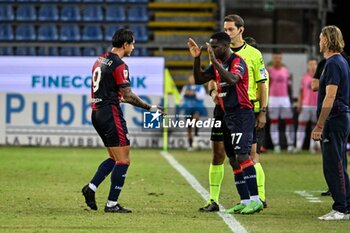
(195, 50)
(211, 53)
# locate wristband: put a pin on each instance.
(211, 91)
(263, 109)
(319, 126)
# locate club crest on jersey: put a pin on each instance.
(126, 74)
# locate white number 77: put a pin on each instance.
(239, 135)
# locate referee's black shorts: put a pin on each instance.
(110, 125)
(217, 134)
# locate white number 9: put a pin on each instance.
(96, 78)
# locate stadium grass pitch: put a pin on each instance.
(40, 192)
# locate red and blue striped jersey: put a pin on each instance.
(109, 75)
(233, 97)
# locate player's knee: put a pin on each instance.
(218, 156)
(218, 160)
(123, 162)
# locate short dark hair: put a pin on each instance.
(276, 51)
(221, 37)
(312, 59)
(239, 22)
(121, 36)
(251, 41)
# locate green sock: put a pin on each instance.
(216, 175)
(260, 179)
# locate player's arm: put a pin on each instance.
(225, 75)
(261, 76)
(200, 76)
(300, 97)
(314, 84)
(290, 88)
(213, 91)
(331, 92)
(262, 96)
(133, 99)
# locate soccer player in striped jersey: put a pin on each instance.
(230, 73)
(111, 86)
(258, 94)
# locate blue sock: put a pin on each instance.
(249, 174)
(241, 185)
(103, 171)
(117, 181)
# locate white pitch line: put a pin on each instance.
(232, 223)
(311, 198)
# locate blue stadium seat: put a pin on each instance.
(110, 30)
(70, 51)
(50, 51)
(92, 0)
(70, 33)
(140, 33)
(10, 1)
(6, 51)
(92, 13)
(88, 51)
(116, 14)
(25, 51)
(6, 13)
(116, 1)
(26, 0)
(138, 1)
(6, 32)
(140, 52)
(48, 13)
(26, 13)
(92, 33)
(70, 0)
(47, 33)
(70, 13)
(25, 33)
(138, 14)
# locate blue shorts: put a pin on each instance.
(241, 127)
(191, 107)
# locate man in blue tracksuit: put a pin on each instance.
(333, 125)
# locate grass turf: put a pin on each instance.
(40, 192)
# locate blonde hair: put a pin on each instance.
(334, 38)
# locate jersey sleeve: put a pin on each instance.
(238, 67)
(332, 73)
(121, 75)
(260, 71)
